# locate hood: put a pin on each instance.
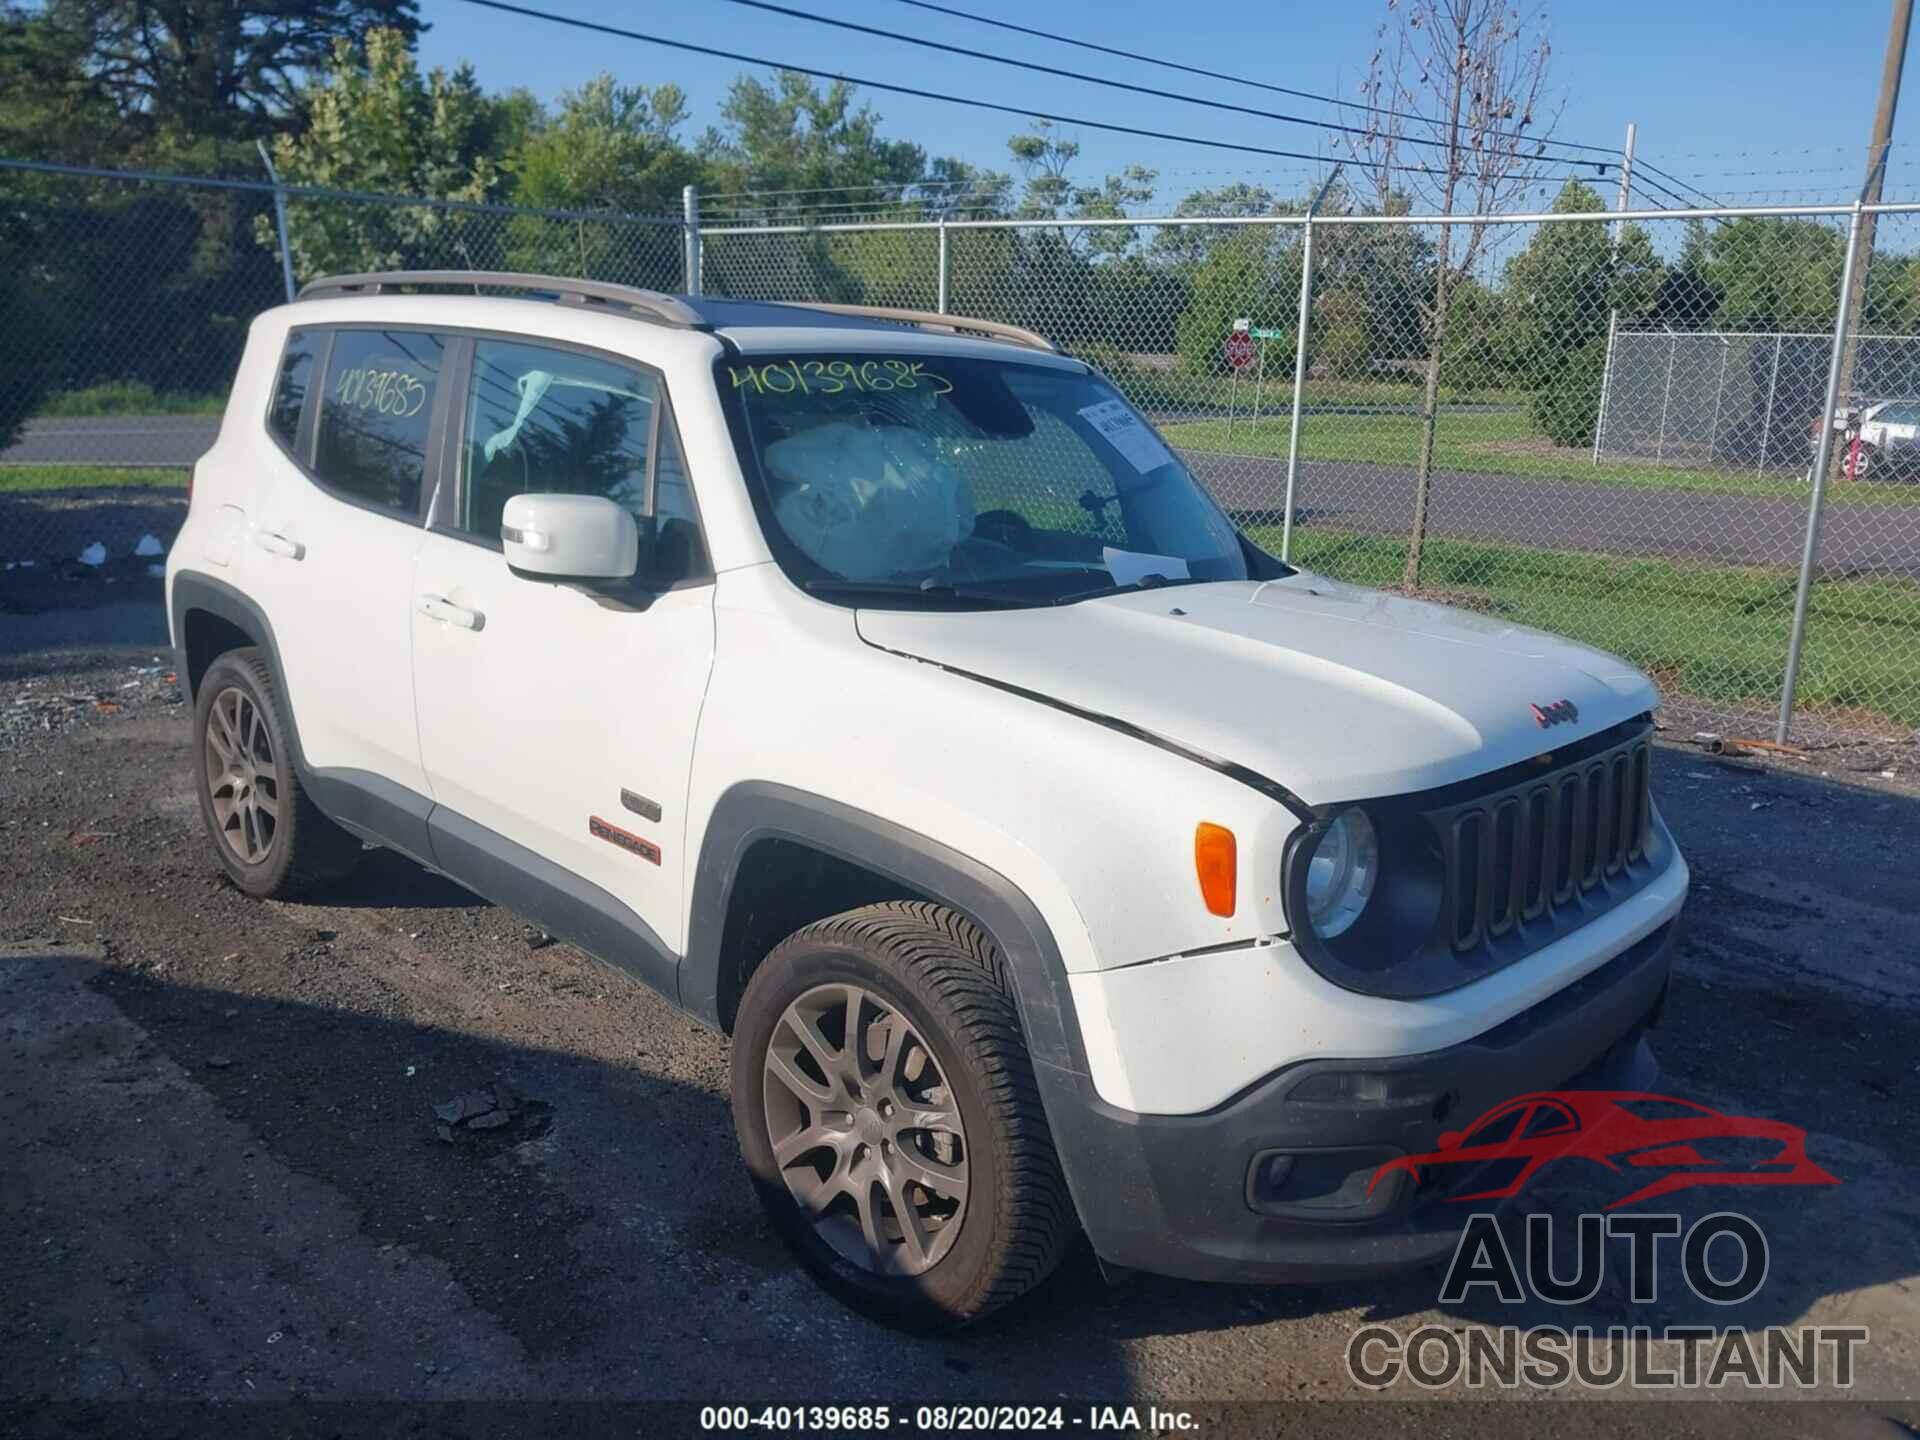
(1334, 691)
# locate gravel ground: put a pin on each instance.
(223, 1178)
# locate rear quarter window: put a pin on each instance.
(376, 404)
(290, 387)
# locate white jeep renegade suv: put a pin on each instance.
(879, 688)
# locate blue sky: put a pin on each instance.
(1763, 100)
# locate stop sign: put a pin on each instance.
(1238, 349)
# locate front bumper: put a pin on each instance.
(1176, 1194)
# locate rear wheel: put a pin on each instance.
(887, 1110)
(270, 838)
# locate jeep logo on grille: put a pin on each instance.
(1560, 712)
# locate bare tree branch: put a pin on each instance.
(1456, 121)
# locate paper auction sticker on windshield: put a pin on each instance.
(1121, 428)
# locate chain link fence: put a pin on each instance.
(125, 306)
(1602, 427)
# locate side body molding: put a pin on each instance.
(757, 810)
(385, 813)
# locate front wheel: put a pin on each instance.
(887, 1110)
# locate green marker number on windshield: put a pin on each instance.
(830, 377)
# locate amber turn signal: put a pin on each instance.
(1214, 862)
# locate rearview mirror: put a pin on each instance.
(572, 537)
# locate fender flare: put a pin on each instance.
(752, 811)
(371, 806)
(193, 590)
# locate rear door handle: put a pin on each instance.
(275, 543)
(441, 608)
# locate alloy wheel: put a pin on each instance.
(241, 780)
(865, 1130)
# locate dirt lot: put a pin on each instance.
(222, 1177)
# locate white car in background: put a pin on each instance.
(1888, 435)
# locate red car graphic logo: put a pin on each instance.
(1560, 712)
(1625, 1131)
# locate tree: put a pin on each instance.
(1044, 158)
(608, 147)
(376, 124)
(613, 148)
(1477, 69)
(1566, 403)
(56, 108)
(221, 68)
(1254, 275)
(1772, 274)
(1560, 292)
(793, 141)
(28, 357)
(1687, 298)
(1190, 244)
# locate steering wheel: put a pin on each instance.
(1002, 527)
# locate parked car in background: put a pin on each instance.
(1878, 439)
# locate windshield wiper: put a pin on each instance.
(932, 590)
(1145, 582)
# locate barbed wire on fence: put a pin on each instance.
(1614, 442)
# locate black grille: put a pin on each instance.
(1522, 853)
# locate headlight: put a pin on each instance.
(1341, 873)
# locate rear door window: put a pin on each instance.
(376, 404)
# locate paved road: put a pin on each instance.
(182, 439)
(223, 1181)
(114, 440)
(1560, 514)
(1571, 514)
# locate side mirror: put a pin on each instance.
(1450, 1140)
(570, 537)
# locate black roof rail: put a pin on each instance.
(647, 304)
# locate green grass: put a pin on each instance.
(1709, 632)
(1172, 387)
(1173, 390)
(21, 479)
(127, 397)
(1496, 444)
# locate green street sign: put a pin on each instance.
(1259, 334)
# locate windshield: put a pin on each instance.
(885, 478)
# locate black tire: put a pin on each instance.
(304, 851)
(949, 981)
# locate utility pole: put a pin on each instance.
(1625, 196)
(1895, 62)
(1621, 201)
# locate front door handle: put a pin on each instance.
(275, 543)
(441, 608)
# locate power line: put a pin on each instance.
(886, 85)
(1211, 74)
(972, 102)
(1156, 92)
(1685, 203)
